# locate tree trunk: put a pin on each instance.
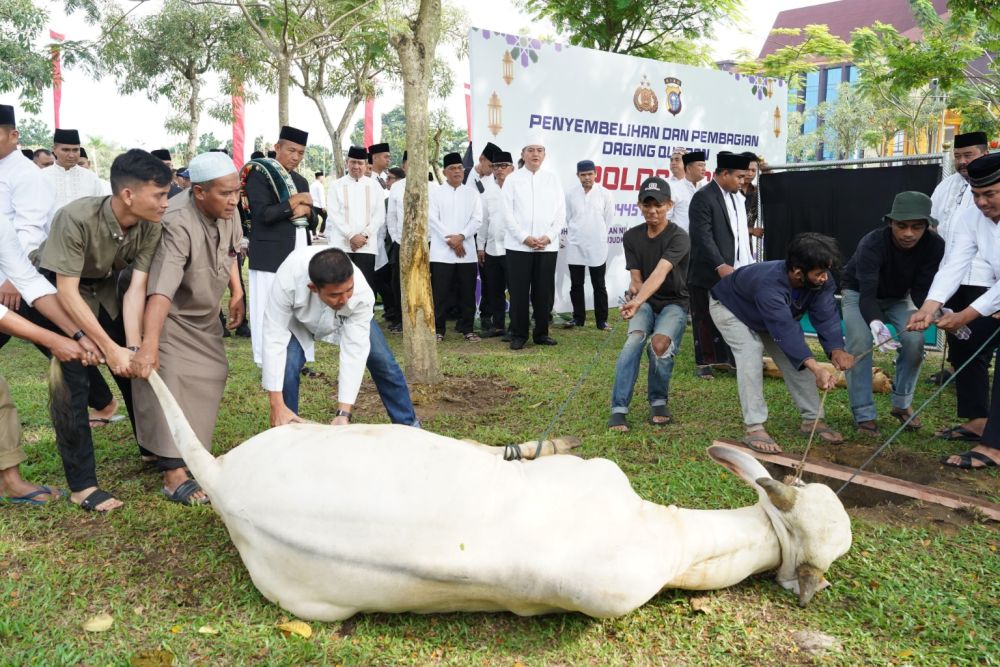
(194, 116)
(338, 135)
(415, 46)
(284, 65)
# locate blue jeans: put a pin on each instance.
(670, 322)
(909, 357)
(386, 373)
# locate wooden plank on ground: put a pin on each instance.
(894, 485)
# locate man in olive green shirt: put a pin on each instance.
(91, 242)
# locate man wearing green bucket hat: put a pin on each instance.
(885, 281)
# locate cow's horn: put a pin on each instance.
(811, 580)
(781, 495)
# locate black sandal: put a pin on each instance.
(965, 461)
(618, 419)
(660, 411)
(182, 494)
(96, 497)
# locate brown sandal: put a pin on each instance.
(903, 415)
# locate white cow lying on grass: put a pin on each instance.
(335, 520)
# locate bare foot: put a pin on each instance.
(174, 478)
(107, 412)
(77, 497)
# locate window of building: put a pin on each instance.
(812, 99)
(833, 79)
(899, 143)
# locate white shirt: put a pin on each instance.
(292, 307)
(394, 211)
(951, 198)
(72, 184)
(588, 217)
(318, 193)
(355, 207)
(454, 211)
(737, 212)
(491, 233)
(474, 178)
(25, 201)
(681, 192)
(15, 265)
(974, 234)
(381, 253)
(536, 206)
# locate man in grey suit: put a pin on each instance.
(720, 244)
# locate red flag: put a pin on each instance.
(468, 110)
(239, 131)
(369, 121)
(56, 75)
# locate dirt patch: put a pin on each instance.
(915, 467)
(455, 396)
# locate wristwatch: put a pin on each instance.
(344, 413)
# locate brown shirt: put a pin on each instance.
(87, 242)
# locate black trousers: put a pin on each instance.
(531, 277)
(485, 307)
(709, 345)
(387, 285)
(100, 395)
(972, 386)
(396, 284)
(494, 272)
(366, 262)
(991, 434)
(577, 275)
(446, 278)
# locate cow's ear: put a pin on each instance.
(739, 463)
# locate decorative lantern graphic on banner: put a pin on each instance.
(777, 122)
(508, 68)
(673, 95)
(494, 108)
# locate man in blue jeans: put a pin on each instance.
(886, 281)
(319, 294)
(656, 256)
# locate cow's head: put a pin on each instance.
(810, 521)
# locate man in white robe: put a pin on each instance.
(590, 211)
(356, 205)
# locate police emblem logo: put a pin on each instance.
(673, 95)
(644, 98)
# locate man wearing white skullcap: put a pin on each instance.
(182, 338)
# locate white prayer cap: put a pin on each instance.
(534, 139)
(210, 166)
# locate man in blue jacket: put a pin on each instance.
(758, 308)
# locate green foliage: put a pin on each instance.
(648, 29)
(792, 62)
(452, 138)
(25, 69)
(35, 133)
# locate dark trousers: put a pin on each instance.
(494, 269)
(396, 285)
(972, 386)
(485, 307)
(709, 345)
(991, 434)
(73, 437)
(577, 274)
(387, 285)
(100, 395)
(444, 279)
(365, 262)
(531, 277)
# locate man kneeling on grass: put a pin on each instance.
(656, 256)
(757, 308)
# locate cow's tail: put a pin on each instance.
(199, 460)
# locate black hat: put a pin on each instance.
(357, 153)
(161, 153)
(256, 155)
(26, 152)
(68, 137)
(984, 170)
(83, 152)
(272, 154)
(7, 115)
(503, 157)
(750, 155)
(369, 158)
(728, 160)
(585, 165)
(970, 139)
(404, 157)
(294, 135)
(317, 174)
(491, 151)
(452, 158)
(654, 187)
(378, 148)
(693, 156)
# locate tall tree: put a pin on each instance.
(171, 53)
(647, 28)
(452, 137)
(415, 38)
(35, 133)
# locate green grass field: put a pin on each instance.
(909, 592)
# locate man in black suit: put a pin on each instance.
(280, 221)
(720, 244)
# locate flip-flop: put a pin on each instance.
(965, 461)
(98, 422)
(32, 498)
(822, 430)
(903, 415)
(958, 433)
(184, 492)
(754, 439)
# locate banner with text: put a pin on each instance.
(626, 114)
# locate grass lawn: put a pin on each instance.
(911, 590)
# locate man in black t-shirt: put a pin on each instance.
(656, 256)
